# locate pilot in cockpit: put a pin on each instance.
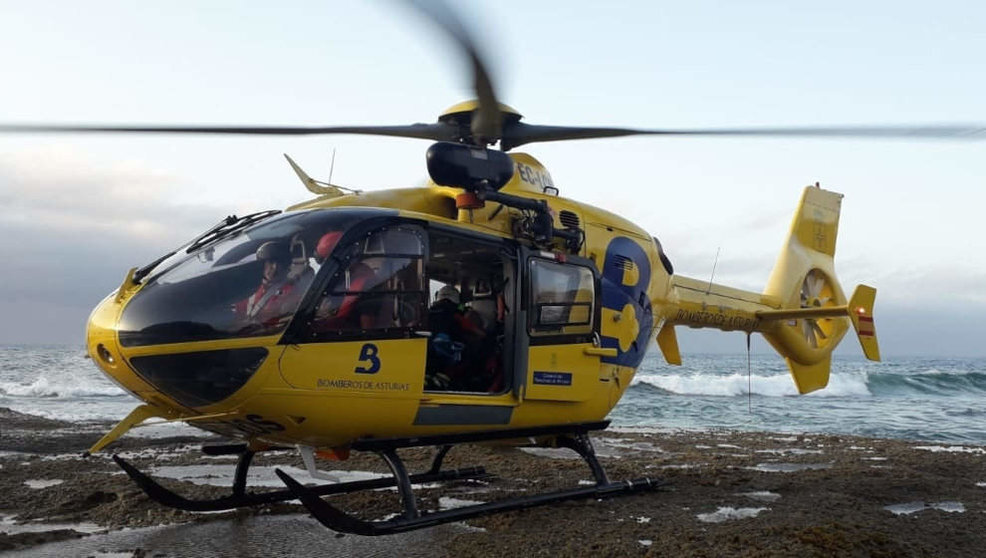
(278, 294)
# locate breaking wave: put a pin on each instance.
(46, 388)
(779, 385)
(841, 384)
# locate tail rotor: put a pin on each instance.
(816, 292)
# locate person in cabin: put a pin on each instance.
(277, 297)
(346, 306)
(454, 344)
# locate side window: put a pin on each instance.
(562, 299)
(378, 285)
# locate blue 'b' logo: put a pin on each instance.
(621, 253)
(369, 354)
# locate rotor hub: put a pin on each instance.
(465, 110)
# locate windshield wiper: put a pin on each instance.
(228, 226)
(222, 229)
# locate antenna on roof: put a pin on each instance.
(714, 263)
(332, 165)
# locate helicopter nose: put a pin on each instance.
(102, 347)
(162, 379)
(100, 335)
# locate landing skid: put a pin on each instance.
(241, 498)
(572, 436)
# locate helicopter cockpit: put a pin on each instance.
(250, 283)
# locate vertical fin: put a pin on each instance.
(810, 377)
(861, 314)
(804, 279)
(667, 340)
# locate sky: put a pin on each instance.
(77, 211)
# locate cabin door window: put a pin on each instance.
(377, 288)
(563, 361)
(562, 300)
(468, 314)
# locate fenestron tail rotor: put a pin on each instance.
(816, 292)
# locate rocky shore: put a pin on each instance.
(727, 494)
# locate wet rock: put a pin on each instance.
(24, 540)
(838, 510)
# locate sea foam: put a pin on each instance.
(852, 384)
(45, 387)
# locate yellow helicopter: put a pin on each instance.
(483, 307)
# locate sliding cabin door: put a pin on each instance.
(560, 298)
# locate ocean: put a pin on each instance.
(932, 399)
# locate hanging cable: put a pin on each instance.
(749, 376)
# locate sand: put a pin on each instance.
(728, 494)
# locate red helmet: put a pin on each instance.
(327, 243)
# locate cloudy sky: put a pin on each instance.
(78, 211)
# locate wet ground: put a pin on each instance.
(249, 536)
(729, 493)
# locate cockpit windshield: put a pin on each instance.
(245, 285)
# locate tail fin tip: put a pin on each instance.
(861, 315)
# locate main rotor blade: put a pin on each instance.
(519, 133)
(487, 121)
(437, 132)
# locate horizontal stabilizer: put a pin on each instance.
(798, 313)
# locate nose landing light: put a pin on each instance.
(105, 354)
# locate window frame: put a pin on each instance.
(509, 252)
(175, 306)
(301, 330)
(534, 309)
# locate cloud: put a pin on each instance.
(916, 284)
(742, 271)
(66, 191)
(70, 229)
